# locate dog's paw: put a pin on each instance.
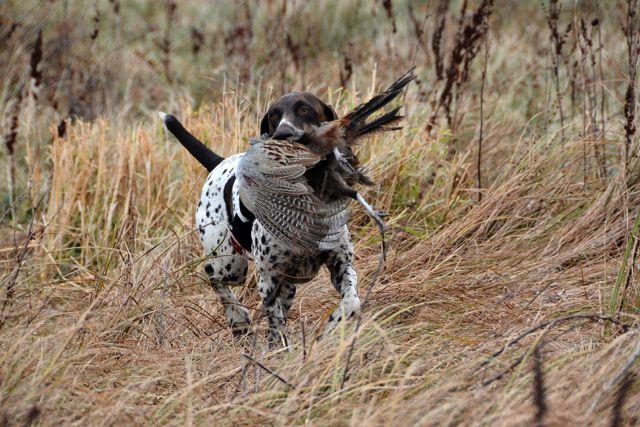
(241, 329)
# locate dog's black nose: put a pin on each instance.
(284, 132)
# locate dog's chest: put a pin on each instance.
(214, 224)
(270, 255)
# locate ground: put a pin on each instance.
(500, 304)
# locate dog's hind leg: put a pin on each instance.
(237, 316)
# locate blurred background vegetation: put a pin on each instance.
(69, 60)
(512, 193)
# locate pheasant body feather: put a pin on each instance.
(299, 189)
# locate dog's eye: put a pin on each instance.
(273, 116)
(303, 111)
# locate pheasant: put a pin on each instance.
(299, 189)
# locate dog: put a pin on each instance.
(231, 236)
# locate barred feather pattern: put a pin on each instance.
(303, 203)
(274, 189)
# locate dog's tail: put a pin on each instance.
(201, 152)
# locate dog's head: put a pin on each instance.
(292, 113)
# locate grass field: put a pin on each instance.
(511, 292)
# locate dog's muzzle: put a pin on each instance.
(286, 131)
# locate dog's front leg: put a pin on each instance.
(345, 281)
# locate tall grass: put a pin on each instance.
(107, 317)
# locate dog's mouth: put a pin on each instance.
(287, 131)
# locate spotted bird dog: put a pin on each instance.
(229, 233)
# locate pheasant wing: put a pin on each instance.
(273, 187)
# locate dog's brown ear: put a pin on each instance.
(264, 124)
(329, 112)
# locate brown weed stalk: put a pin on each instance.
(436, 38)
(197, 40)
(590, 108)
(557, 41)
(34, 64)
(12, 134)
(465, 49)
(481, 132)
(418, 32)
(598, 70)
(96, 23)
(630, 29)
(539, 395)
(165, 42)
(346, 70)
(621, 396)
(388, 7)
(6, 37)
(603, 100)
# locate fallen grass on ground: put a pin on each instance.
(508, 304)
(110, 320)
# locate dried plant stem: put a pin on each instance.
(19, 260)
(630, 29)
(165, 43)
(304, 338)
(465, 49)
(594, 317)
(603, 122)
(621, 397)
(557, 41)
(242, 381)
(624, 370)
(268, 370)
(518, 360)
(388, 7)
(624, 273)
(418, 29)
(625, 377)
(436, 39)
(538, 387)
(10, 142)
(160, 323)
(374, 280)
(603, 129)
(597, 134)
(346, 71)
(481, 135)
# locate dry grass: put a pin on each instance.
(107, 317)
